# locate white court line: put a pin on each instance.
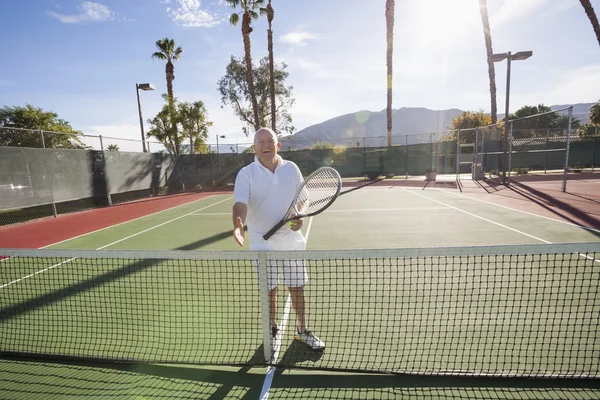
(495, 223)
(35, 273)
(482, 218)
(125, 222)
(264, 393)
(521, 211)
(115, 242)
(120, 223)
(355, 210)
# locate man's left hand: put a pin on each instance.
(295, 224)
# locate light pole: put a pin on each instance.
(521, 55)
(218, 153)
(145, 87)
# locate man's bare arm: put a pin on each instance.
(240, 211)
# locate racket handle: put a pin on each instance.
(267, 235)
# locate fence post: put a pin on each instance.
(320, 153)
(510, 149)
(546, 150)
(42, 137)
(457, 160)
(564, 186)
(104, 170)
(594, 152)
(406, 163)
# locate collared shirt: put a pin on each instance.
(267, 194)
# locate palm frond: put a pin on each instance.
(263, 11)
(234, 19)
(253, 14)
(178, 52)
(159, 55)
(232, 3)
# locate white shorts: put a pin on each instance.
(293, 271)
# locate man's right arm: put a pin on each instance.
(240, 210)
(241, 195)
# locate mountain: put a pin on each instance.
(369, 129)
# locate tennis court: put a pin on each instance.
(455, 296)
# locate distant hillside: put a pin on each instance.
(369, 128)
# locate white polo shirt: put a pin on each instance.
(268, 195)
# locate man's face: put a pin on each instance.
(266, 146)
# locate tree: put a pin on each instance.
(168, 51)
(320, 145)
(587, 130)
(235, 92)
(112, 147)
(194, 121)
(487, 35)
(594, 114)
(549, 123)
(589, 10)
(33, 120)
(190, 121)
(270, 15)
(248, 14)
(389, 24)
(467, 121)
(161, 127)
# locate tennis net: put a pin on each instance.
(483, 311)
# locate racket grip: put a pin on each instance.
(267, 235)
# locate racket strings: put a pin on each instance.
(318, 191)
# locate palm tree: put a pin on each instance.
(487, 34)
(589, 10)
(169, 52)
(270, 16)
(248, 14)
(389, 23)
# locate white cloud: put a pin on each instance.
(88, 12)
(298, 38)
(189, 13)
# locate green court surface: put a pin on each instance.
(364, 298)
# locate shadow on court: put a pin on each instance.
(71, 380)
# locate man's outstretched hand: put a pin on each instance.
(238, 231)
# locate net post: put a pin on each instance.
(564, 185)
(264, 303)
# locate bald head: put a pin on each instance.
(265, 133)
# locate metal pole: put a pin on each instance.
(406, 162)
(594, 153)
(564, 187)
(546, 151)
(218, 154)
(104, 170)
(505, 155)
(137, 91)
(42, 136)
(510, 152)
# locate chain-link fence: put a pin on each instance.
(553, 148)
(48, 173)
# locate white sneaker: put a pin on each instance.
(310, 340)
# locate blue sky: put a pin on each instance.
(82, 59)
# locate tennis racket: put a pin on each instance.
(318, 191)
